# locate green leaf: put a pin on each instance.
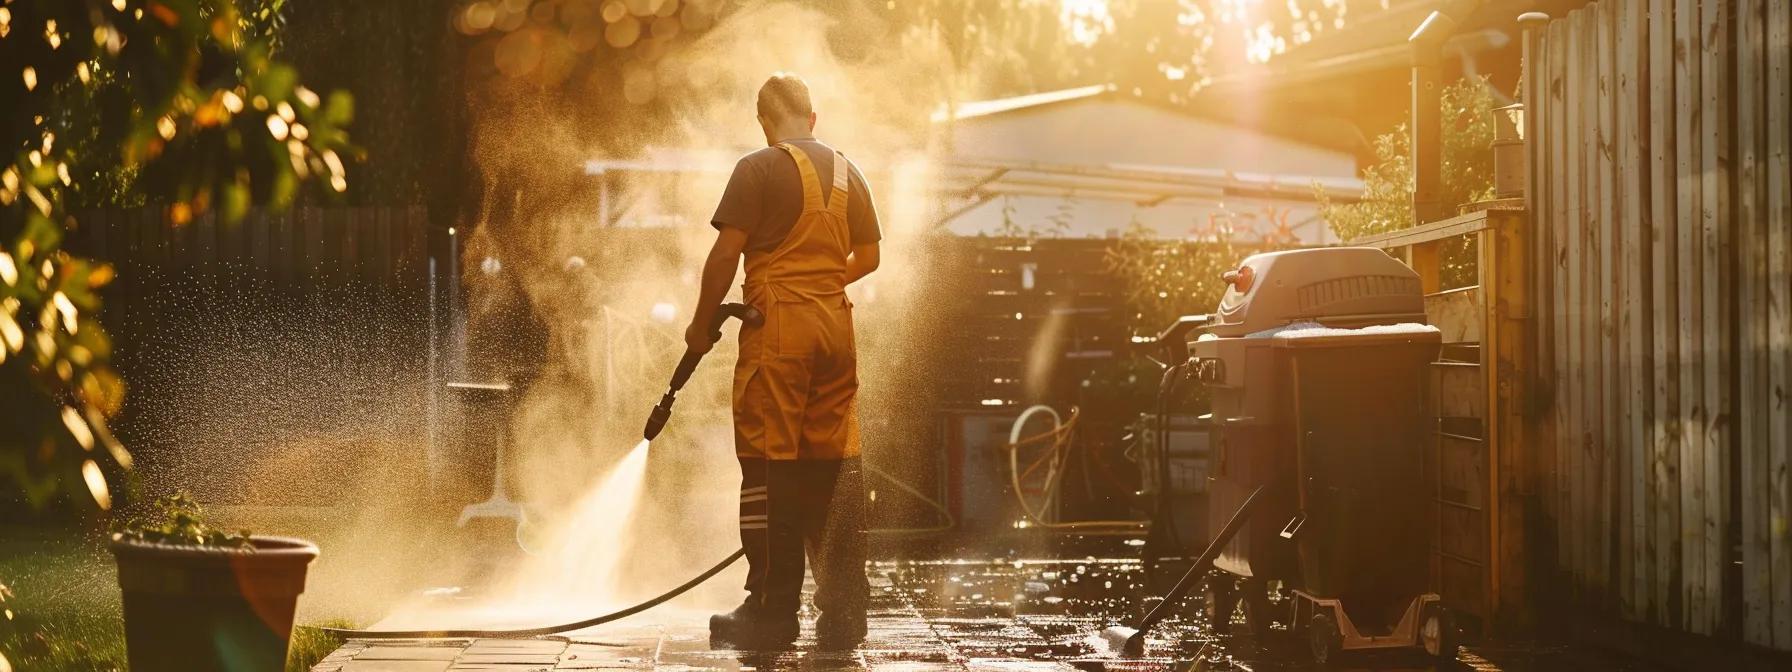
(286, 184)
(276, 83)
(339, 109)
(234, 202)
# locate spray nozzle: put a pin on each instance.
(656, 419)
(748, 315)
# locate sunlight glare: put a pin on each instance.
(1085, 21)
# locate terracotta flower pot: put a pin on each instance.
(210, 608)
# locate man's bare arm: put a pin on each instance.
(863, 261)
(718, 274)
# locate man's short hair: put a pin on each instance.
(784, 96)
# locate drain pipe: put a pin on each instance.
(1427, 101)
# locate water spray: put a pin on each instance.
(656, 421)
(662, 411)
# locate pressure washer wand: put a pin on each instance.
(748, 316)
(1131, 641)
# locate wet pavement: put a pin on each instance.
(1002, 615)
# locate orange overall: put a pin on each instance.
(797, 381)
(796, 428)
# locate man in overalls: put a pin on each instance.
(796, 427)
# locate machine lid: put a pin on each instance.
(1317, 285)
(1309, 335)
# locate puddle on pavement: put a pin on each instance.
(1022, 615)
(1049, 610)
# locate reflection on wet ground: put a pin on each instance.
(1001, 615)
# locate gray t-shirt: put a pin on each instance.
(765, 196)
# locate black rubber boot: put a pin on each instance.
(772, 537)
(748, 628)
(839, 633)
(837, 547)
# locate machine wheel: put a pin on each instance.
(1323, 638)
(1438, 633)
(1222, 600)
(1258, 614)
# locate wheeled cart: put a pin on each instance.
(1316, 362)
(1325, 627)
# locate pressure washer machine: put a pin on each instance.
(1316, 362)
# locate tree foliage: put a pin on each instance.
(1158, 49)
(604, 57)
(1164, 280)
(1387, 185)
(178, 103)
(1167, 279)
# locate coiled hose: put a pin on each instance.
(1054, 460)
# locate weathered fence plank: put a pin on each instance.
(1507, 356)
(1538, 109)
(1557, 42)
(1587, 375)
(1716, 254)
(1603, 388)
(1455, 314)
(1635, 313)
(1778, 158)
(1664, 486)
(1688, 134)
(1572, 227)
(1757, 548)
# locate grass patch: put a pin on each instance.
(310, 645)
(65, 603)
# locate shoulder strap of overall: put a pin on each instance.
(811, 184)
(842, 174)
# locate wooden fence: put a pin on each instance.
(300, 246)
(310, 330)
(1659, 188)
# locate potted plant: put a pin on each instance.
(198, 599)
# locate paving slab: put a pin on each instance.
(408, 653)
(943, 616)
(395, 666)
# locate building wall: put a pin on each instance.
(1108, 131)
(1111, 132)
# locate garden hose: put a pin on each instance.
(945, 513)
(546, 630)
(1059, 436)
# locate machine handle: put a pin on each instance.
(1205, 560)
(662, 412)
(748, 316)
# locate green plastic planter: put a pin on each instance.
(211, 608)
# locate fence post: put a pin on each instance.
(1532, 24)
(1427, 123)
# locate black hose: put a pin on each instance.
(548, 630)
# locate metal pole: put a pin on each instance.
(432, 415)
(457, 329)
(1426, 128)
